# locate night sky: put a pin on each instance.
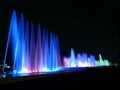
(87, 26)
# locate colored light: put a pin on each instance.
(82, 60)
(30, 52)
(40, 52)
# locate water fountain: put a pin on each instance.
(83, 60)
(32, 53)
(40, 52)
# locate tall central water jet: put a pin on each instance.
(31, 52)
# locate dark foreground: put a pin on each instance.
(92, 78)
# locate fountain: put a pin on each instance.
(30, 52)
(82, 60)
(40, 52)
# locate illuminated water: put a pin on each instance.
(83, 60)
(31, 52)
(38, 51)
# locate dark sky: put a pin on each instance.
(87, 26)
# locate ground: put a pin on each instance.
(91, 77)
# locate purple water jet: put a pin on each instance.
(30, 52)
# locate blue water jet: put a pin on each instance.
(31, 52)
